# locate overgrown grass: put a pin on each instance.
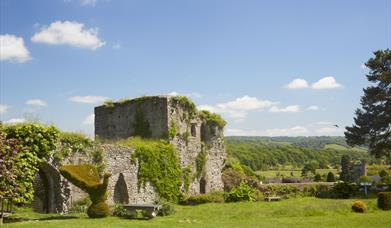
(298, 212)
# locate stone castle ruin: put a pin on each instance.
(170, 118)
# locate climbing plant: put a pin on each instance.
(172, 131)
(186, 177)
(87, 178)
(17, 168)
(24, 147)
(212, 118)
(158, 164)
(71, 143)
(200, 162)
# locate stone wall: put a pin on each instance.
(123, 186)
(192, 134)
(117, 122)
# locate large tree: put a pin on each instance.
(372, 124)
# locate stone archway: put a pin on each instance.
(52, 191)
(121, 194)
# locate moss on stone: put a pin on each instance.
(188, 106)
(212, 118)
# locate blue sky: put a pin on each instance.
(270, 68)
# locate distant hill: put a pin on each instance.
(261, 153)
(316, 142)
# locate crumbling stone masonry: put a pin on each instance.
(159, 117)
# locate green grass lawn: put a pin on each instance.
(299, 212)
(296, 173)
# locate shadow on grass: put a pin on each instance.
(19, 219)
(58, 218)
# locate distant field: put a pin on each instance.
(299, 212)
(296, 173)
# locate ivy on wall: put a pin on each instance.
(158, 164)
(172, 131)
(200, 162)
(186, 177)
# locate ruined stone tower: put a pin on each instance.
(196, 135)
(161, 117)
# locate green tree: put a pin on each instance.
(318, 177)
(346, 174)
(35, 142)
(309, 167)
(16, 170)
(330, 177)
(372, 123)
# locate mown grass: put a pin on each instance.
(296, 173)
(299, 212)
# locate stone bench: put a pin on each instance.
(272, 198)
(6, 208)
(150, 210)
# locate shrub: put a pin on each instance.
(383, 173)
(81, 205)
(120, 211)
(285, 191)
(330, 177)
(343, 190)
(232, 178)
(359, 206)
(98, 210)
(212, 197)
(384, 200)
(216, 196)
(195, 200)
(167, 209)
(241, 193)
(290, 180)
(87, 178)
(318, 177)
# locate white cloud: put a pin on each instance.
(3, 108)
(16, 120)
(326, 83)
(193, 95)
(238, 108)
(12, 49)
(290, 108)
(298, 83)
(332, 131)
(36, 102)
(89, 120)
(246, 103)
(324, 123)
(69, 33)
(313, 108)
(88, 99)
(293, 131)
(88, 2)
